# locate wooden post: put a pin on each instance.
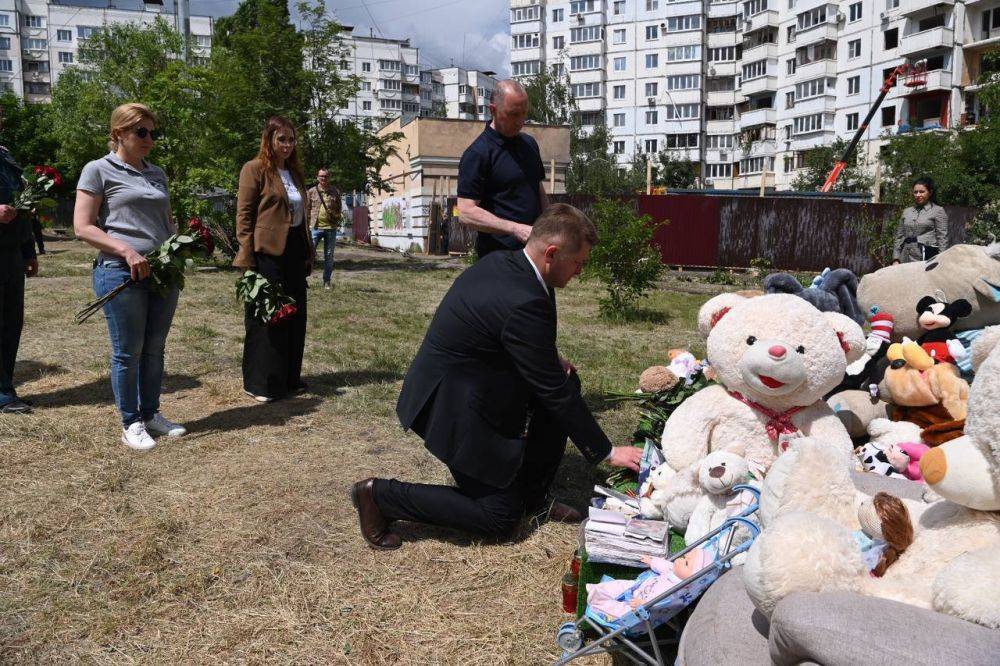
(763, 178)
(649, 174)
(877, 193)
(552, 176)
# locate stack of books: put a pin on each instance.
(615, 533)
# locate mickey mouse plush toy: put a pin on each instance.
(936, 318)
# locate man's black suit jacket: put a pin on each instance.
(489, 357)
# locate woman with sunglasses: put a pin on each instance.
(123, 210)
(271, 213)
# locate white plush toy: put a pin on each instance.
(718, 473)
(952, 566)
(775, 357)
(652, 499)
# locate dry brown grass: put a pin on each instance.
(238, 543)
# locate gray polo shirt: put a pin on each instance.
(136, 204)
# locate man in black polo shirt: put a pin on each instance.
(500, 191)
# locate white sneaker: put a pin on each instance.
(136, 437)
(158, 425)
(259, 398)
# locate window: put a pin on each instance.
(558, 15)
(390, 65)
(682, 141)
(366, 106)
(652, 32)
(36, 88)
(366, 86)
(854, 12)
(651, 145)
(790, 66)
(754, 7)
(620, 64)
(751, 165)
(683, 111)
(4, 20)
(854, 85)
(718, 141)
(4, 43)
(720, 170)
(64, 35)
(891, 38)
(651, 117)
(790, 100)
(721, 83)
(618, 36)
(619, 8)
(681, 53)
(591, 118)
(754, 70)
(65, 57)
(652, 60)
(826, 50)
(990, 22)
(522, 14)
(807, 124)
(582, 63)
(33, 43)
(682, 23)
(790, 34)
(888, 116)
(651, 89)
(87, 31)
(558, 70)
(618, 92)
(559, 42)
(618, 147)
(6, 65)
(719, 112)
(590, 33)
(390, 84)
(582, 90)
(525, 68)
(809, 89)
(722, 54)
(205, 41)
(684, 82)
(718, 25)
(810, 19)
(652, 5)
(34, 21)
(618, 120)
(581, 6)
(854, 48)
(852, 121)
(411, 70)
(366, 67)
(525, 41)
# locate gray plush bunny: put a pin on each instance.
(833, 291)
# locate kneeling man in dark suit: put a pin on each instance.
(491, 397)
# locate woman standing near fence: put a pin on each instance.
(923, 228)
(123, 210)
(271, 213)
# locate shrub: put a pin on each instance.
(627, 259)
(985, 227)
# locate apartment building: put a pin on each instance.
(40, 39)
(466, 93)
(747, 87)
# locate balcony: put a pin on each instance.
(752, 181)
(765, 19)
(758, 117)
(765, 148)
(720, 127)
(759, 52)
(826, 103)
(939, 79)
(720, 39)
(817, 33)
(915, 6)
(762, 84)
(928, 40)
(723, 9)
(720, 98)
(590, 104)
(722, 68)
(815, 70)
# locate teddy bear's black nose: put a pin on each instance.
(717, 472)
(898, 363)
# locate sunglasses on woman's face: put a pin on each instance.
(142, 133)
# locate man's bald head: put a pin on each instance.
(509, 107)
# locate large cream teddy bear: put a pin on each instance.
(775, 357)
(953, 563)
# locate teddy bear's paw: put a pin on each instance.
(969, 587)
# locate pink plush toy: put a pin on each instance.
(905, 458)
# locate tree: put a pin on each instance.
(593, 169)
(819, 162)
(670, 172)
(550, 98)
(21, 131)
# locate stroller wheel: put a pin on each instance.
(569, 637)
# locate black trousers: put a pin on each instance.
(36, 230)
(272, 355)
(474, 506)
(11, 317)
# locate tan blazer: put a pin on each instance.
(264, 215)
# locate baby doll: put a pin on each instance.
(886, 531)
(905, 458)
(604, 597)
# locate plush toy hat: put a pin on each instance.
(882, 324)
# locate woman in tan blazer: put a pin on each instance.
(271, 213)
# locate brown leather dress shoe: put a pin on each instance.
(374, 528)
(561, 513)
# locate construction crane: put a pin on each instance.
(914, 72)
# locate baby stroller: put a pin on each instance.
(633, 634)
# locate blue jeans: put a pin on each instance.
(138, 322)
(329, 238)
